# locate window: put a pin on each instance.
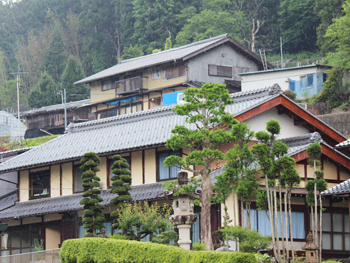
(40, 184)
(108, 84)
(77, 180)
(21, 239)
(335, 231)
(156, 74)
(166, 173)
(260, 222)
(174, 72)
(109, 113)
(110, 163)
(220, 71)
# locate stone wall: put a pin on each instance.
(339, 121)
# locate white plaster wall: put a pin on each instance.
(268, 78)
(288, 129)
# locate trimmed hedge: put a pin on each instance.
(108, 250)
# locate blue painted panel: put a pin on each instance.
(170, 98)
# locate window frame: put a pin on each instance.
(223, 71)
(109, 84)
(157, 72)
(31, 190)
(157, 163)
(76, 192)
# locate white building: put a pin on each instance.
(305, 81)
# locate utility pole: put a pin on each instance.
(18, 113)
(281, 53)
(64, 101)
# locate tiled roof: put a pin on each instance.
(344, 144)
(69, 105)
(124, 132)
(299, 143)
(8, 200)
(14, 152)
(166, 56)
(60, 204)
(342, 188)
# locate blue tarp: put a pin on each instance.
(124, 100)
(170, 98)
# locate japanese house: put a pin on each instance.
(139, 84)
(46, 205)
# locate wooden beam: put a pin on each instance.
(300, 122)
(306, 116)
(259, 109)
(336, 156)
(300, 156)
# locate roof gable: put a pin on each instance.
(171, 55)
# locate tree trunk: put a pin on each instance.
(281, 222)
(248, 216)
(286, 223)
(207, 191)
(269, 202)
(312, 221)
(276, 224)
(290, 224)
(242, 213)
(320, 257)
(316, 219)
(235, 223)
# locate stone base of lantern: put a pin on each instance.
(184, 236)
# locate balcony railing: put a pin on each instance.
(47, 256)
(131, 85)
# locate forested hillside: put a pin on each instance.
(60, 41)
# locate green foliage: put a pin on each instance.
(338, 35)
(109, 250)
(131, 52)
(249, 240)
(46, 92)
(92, 216)
(168, 44)
(314, 152)
(139, 220)
(290, 94)
(72, 73)
(264, 258)
(302, 35)
(30, 142)
(334, 90)
(121, 181)
(346, 106)
(165, 237)
(187, 189)
(199, 246)
(55, 57)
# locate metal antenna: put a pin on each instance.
(18, 113)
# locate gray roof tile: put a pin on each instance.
(342, 188)
(122, 133)
(146, 192)
(343, 144)
(8, 200)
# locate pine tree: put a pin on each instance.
(121, 181)
(55, 57)
(93, 218)
(72, 73)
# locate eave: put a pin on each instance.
(299, 115)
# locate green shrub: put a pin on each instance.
(199, 246)
(107, 250)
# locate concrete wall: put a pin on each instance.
(339, 121)
(55, 180)
(258, 123)
(223, 55)
(24, 186)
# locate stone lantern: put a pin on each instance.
(311, 249)
(183, 216)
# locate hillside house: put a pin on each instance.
(139, 84)
(305, 81)
(50, 119)
(49, 179)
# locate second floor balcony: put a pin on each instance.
(131, 85)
